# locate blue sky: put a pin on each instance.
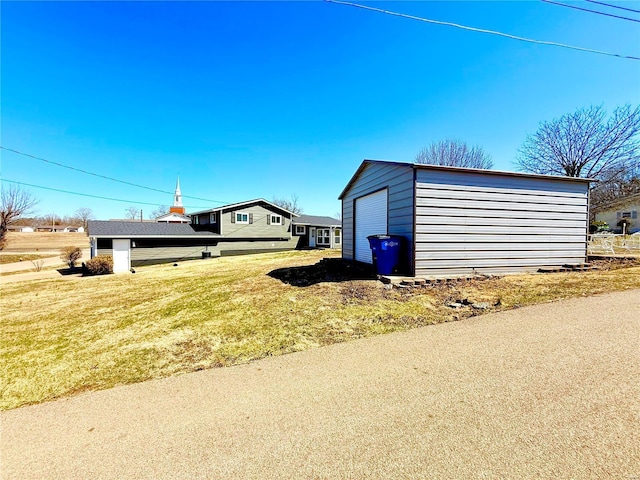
(262, 99)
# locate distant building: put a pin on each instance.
(624, 208)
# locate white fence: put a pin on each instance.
(613, 244)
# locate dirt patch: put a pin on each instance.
(326, 270)
(615, 263)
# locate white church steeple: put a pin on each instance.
(177, 200)
(177, 197)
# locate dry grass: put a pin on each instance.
(44, 241)
(12, 257)
(60, 337)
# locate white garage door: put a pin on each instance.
(121, 255)
(371, 219)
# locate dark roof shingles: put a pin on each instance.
(316, 220)
(105, 228)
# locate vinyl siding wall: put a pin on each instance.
(160, 254)
(468, 223)
(104, 251)
(614, 215)
(398, 179)
(258, 229)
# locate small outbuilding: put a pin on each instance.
(458, 221)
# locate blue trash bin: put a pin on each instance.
(385, 250)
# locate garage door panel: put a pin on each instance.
(371, 219)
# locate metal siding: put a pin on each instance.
(468, 223)
(398, 179)
(448, 212)
(371, 219)
(504, 183)
(493, 230)
(510, 197)
(534, 222)
(484, 247)
(425, 238)
(425, 201)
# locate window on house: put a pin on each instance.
(626, 214)
(212, 217)
(336, 237)
(194, 219)
(300, 229)
(275, 219)
(242, 218)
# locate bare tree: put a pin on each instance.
(290, 204)
(131, 213)
(84, 214)
(50, 220)
(605, 193)
(161, 210)
(14, 203)
(454, 153)
(585, 144)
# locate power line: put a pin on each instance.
(58, 164)
(85, 194)
(481, 30)
(614, 6)
(591, 11)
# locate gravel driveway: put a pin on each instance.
(549, 391)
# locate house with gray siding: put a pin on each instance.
(315, 231)
(457, 221)
(134, 243)
(254, 226)
(253, 220)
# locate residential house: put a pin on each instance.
(317, 231)
(248, 227)
(624, 208)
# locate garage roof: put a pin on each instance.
(422, 166)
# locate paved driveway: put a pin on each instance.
(550, 391)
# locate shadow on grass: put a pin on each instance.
(70, 271)
(326, 270)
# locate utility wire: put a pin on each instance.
(481, 30)
(104, 176)
(85, 194)
(591, 11)
(614, 6)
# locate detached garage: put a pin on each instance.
(459, 221)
